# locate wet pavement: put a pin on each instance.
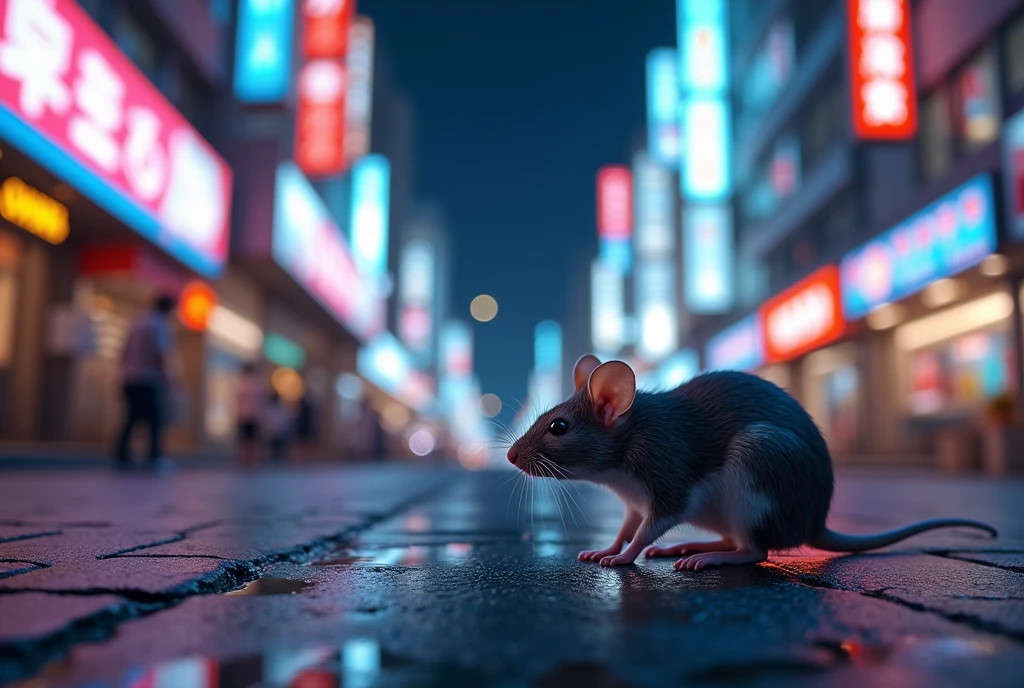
(387, 576)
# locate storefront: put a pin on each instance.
(108, 198)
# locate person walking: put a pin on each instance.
(305, 428)
(249, 410)
(279, 428)
(146, 382)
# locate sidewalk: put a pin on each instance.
(390, 575)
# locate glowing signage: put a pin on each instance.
(678, 369)
(705, 173)
(655, 209)
(952, 234)
(263, 50)
(607, 303)
(320, 119)
(662, 106)
(738, 347)
(881, 64)
(701, 25)
(282, 351)
(804, 317)
(73, 102)
(326, 25)
(547, 347)
(34, 211)
(386, 363)
(416, 288)
(656, 309)
(371, 180)
(197, 303)
(614, 202)
(309, 246)
(359, 97)
(1013, 172)
(708, 258)
(457, 350)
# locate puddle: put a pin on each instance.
(410, 555)
(269, 585)
(354, 663)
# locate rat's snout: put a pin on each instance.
(512, 455)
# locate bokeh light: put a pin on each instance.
(287, 383)
(942, 292)
(421, 442)
(395, 417)
(490, 405)
(483, 308)
(995, 265)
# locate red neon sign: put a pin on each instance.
(320, 118)
(804, 317)
(326, 25)
(882, 65)
(614, 202)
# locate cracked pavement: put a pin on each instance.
(388, 575)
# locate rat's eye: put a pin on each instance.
(558, 426)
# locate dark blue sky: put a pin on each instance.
(518, 103)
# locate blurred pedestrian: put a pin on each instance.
(305, 428)
(146, 381)
(249, 406)
(279, 428)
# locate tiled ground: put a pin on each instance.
(387, 576)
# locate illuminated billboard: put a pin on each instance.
(681, 367)
(325, 28)
(654, 198)
(946, 237)
(607, 307)
(804, 317)
(655, 287)
(371, 183)
(416, 284)
(320, 118)
(702, 54)
(881, 69)
(705, 174)
(708, 258)
(615, 215)
(663, 106)
(737, 347)
(309, 246)
(359, 97)
(74, 103)
(547, 347)
(457, 349)
(263, 50)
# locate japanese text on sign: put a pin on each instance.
(881, 60)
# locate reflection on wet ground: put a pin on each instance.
(409, 555)
(269, 585)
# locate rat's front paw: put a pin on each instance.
(599, 554)
(620, 560)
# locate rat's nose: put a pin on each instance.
(513, 456)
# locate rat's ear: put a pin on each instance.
(584, 367)
(612, 389)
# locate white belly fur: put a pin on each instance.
(727, 504)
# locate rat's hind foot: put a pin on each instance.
(723, 545)
(599, 554)
(737, 557)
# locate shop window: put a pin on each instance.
(1013, 56)
(961, 374)
(977, 102)
(936, 134)
(138, 45)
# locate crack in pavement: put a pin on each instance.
(882, 594)
(29, 536)
(957, 555)
(22, 659)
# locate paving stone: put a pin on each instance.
(25, 616)
(1014, 561)
(147, 574)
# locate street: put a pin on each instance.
(385, 575)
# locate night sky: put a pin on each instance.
(518, 102)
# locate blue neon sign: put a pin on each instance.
(547, 347)
(663, 106)
(708, 258)
(702, 54)
(952, 234)
(706, 172)
(371, 180)
(263, 51)
(738, 347)
(617, 253)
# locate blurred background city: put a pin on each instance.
(390, 222)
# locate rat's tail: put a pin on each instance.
(831, 541)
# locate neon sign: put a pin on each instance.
(738, 347)
(34, 211)
(263, 50)
(804, 317)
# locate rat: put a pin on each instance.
(728, 452)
